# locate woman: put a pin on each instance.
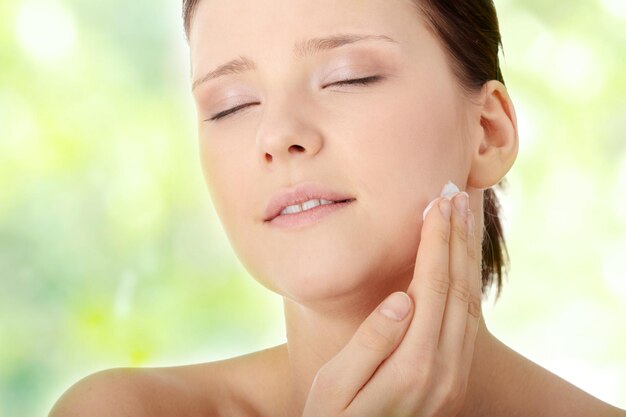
(335, 138)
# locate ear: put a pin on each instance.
(495, 141)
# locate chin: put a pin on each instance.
(325, 280)
(330, 263)
(315, 277)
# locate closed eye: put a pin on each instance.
(225, 113)
(358, 81)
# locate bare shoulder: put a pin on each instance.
(109, 392)
(250, 385)
(140, 392)
(498, 371)
(220, 388)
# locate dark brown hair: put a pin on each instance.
(470, 32)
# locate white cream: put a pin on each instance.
(448, 191)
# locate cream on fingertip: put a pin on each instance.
(448, 191)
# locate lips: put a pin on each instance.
(300, 194)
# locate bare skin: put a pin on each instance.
(260, 384)
(502, 383)
(391, 145)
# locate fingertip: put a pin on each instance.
(449, 189)
(396, 306)
(445, 206)
(428, 207)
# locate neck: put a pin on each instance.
(317, 332)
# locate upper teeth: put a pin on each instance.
(305, 206)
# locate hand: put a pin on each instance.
(419, 366)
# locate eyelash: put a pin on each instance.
(357, 81)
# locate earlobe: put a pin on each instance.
(497, 142)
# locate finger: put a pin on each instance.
(340, 379)
(407, 367)
(475, 277)
(455, 318)
(475, 305)
(429, 287)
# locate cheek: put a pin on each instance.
(407, 149)
(211, 169)
(224, 180)
(235, 195)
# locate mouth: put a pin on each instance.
(307, 216)
(303, 198)
(296, 209)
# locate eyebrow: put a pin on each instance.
(301, 49)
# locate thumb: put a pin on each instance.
(396, 306)
(383, 330)
(375, 339)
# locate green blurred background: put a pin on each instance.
(111, 253)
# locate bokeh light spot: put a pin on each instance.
(615, 8)
(45, 30)
(576, 70)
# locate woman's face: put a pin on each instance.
(391, 145)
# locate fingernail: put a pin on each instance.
(448, 190)
(427, 209)
(396, 306)
(460, 202)
(446, 207)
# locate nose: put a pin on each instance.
(285, 133)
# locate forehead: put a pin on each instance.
(221, 30)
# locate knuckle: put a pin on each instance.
(474, 306)
(374, 339)
(461, 290)
(438, 281)
(460, 230)
(403, 374)
(418, 377)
